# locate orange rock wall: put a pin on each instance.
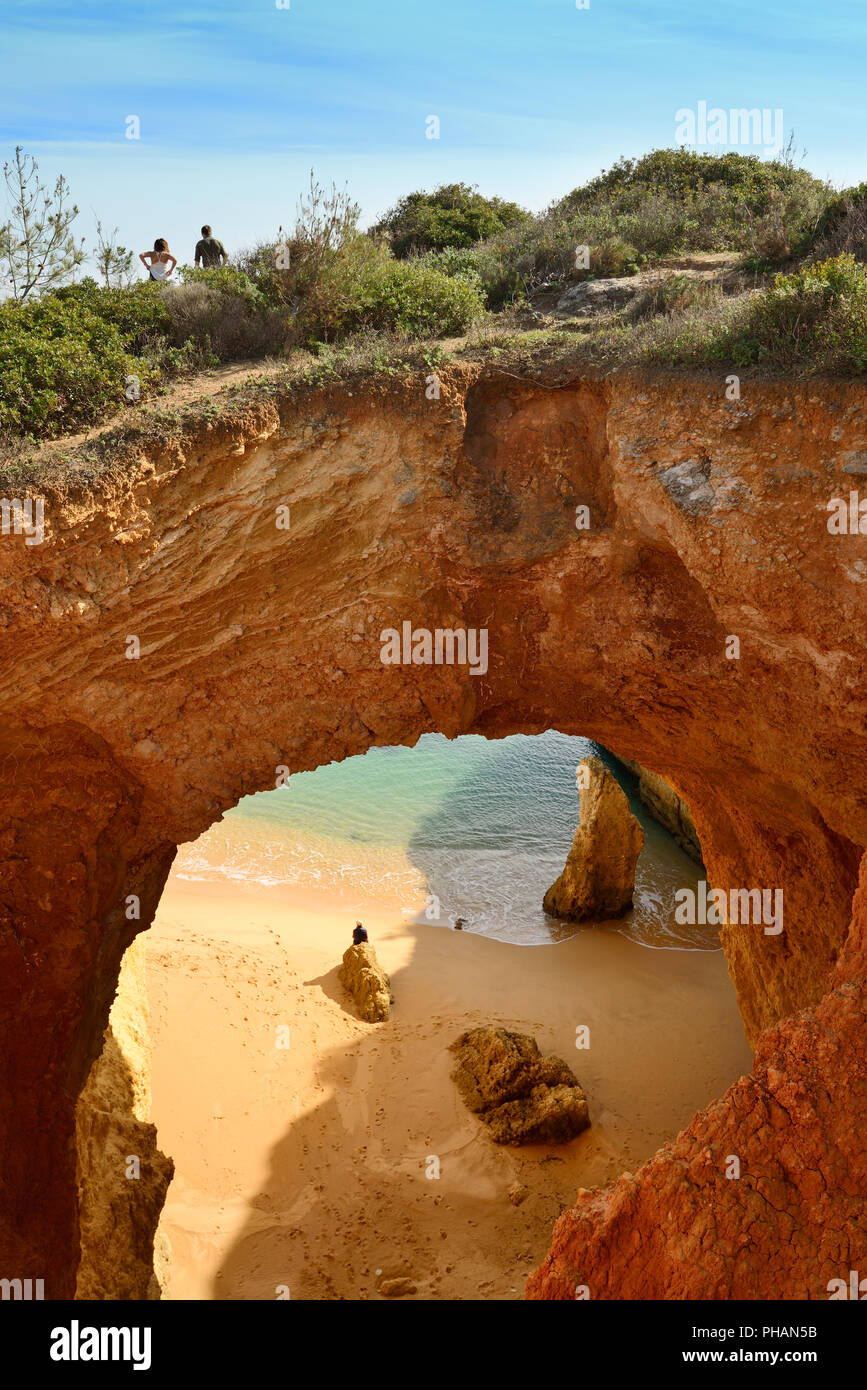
(260, 648)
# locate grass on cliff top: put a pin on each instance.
(372, 365)
(629, 217)
(373, 361)
(811, 322)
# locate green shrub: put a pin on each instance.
(454, 260)
(671, 201)
(817, 315)
(328, 289)
(539, 255)
(526, 258)
(214, 315)
(814, 320)
(228, 280)
(139, 313)
(836, 208)
(418, 300)
(62, 367)
(258, 263)
(331, 292)
(680, 174)
(192, 357)
(223, 315)
(454, 215)
(612, 257)
(842, 226)
(485, 263)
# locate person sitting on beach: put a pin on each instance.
(359, 934)
(209, 250)
(160, 262)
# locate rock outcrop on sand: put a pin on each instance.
(397, 1288)
(367, 982)
(596, 297)
(599, 878)
(523, 1097)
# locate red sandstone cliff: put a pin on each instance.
(259, 648)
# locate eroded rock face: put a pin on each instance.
(668, 808)
(597, 297)
(599, 877)
(367, 982)
(119, 1205)
(522, 1097)
(794, 1218)
(259, 647)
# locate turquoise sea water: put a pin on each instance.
(470, 827)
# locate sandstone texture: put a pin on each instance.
(119, 1212)
(259, 648)
(397, 1288)
(668, 808)
(367, 982)
(599, 878)
(593, 297)
(608, 295)
(794, 1219)
(522, 1097)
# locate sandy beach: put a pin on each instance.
(301, 1169)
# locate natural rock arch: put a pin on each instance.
(259, 648)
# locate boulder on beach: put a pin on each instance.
(397, 1288)
(599, 877)
(367, 982)
(523, 1097)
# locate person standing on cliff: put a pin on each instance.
(209, 251)
(160, 262)
(359, 934)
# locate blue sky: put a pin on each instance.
(236, 102)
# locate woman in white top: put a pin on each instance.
(160, 262)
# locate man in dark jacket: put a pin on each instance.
(359, 934)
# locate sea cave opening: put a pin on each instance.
(320, 1156)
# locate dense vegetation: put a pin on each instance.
(71, 355)
(454, 215)
(813, 320)
(669, 202)
(60, 365)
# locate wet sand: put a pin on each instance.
(303, 1168)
